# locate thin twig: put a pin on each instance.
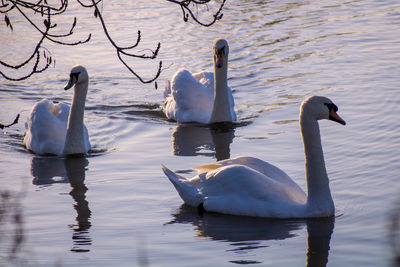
(2, 126)
(42, 8)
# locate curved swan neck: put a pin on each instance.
(319, 197)
(74, 140)
(221, 108)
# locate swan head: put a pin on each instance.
(319, 107)
(220, 51)
(77, 75)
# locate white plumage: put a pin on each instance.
(196, 97)
(252, 187)
(50, 125)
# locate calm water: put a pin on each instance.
(117, 207)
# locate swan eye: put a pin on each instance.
(73, 79)
(333, 115)
(74, 75)
(331, 107)
(220, 51)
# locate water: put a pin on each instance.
(117, 207)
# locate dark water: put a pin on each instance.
(117, 207)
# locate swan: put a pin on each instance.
(58, 129)
(251, 187)
(199, 97)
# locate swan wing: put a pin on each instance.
(190, 100)
(240, 190)
(253, 163)
(61, 111)
(206, 78)
(46, 128)
(206, 168)
(270, 171)
(261, 166)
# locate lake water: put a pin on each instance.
(116, 207)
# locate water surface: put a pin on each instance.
(117, 207)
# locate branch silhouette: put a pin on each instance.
(2, 126)
(187, 7)
(40, 59)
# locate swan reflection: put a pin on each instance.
(248, 233)
(49, 170)
(196, 139)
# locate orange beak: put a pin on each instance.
(335, 117)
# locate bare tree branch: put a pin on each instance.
(40, 59)
(124, 50)
(48, 12)
(2, 126)
(187, 12)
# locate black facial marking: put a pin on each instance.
(220, 51)
(73, 79)
(74, 75)
(331, 107)
(332, 113)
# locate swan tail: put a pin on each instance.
(189, 193)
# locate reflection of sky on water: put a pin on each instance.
(49, 170)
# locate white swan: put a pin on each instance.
(199, 97)
(252, 187)
(54, 128)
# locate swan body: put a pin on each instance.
(202, 97)
(58, 129)
(252, 187)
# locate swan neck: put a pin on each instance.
(319, 197)
(74, 141)
(221, 107)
